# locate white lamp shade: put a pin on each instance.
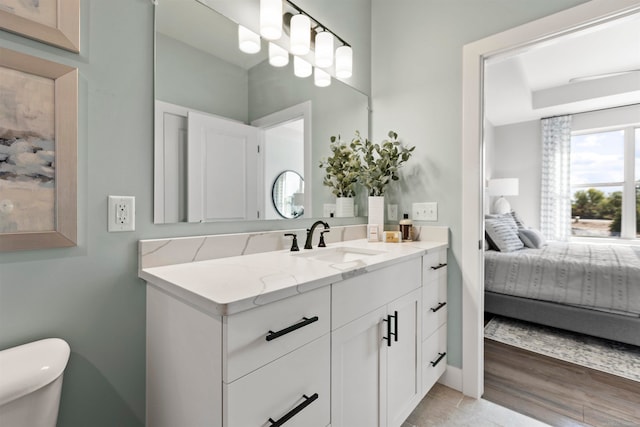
(248, 41)
(324, 49)
(271, 19)
(344, 62)
(503, 187)
(301, 68)
(321, 78)
(278, 56)
(300, 34)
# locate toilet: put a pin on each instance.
(31, 382)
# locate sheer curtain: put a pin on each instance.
(555, 206)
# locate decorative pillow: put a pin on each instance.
(503, 234)
(517, 219)
(532, 238)
(505, 217)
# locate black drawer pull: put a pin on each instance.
(440, 356)
(305, 321)
(440, 305)
(439, 266)
(308, 400)
(389, 333)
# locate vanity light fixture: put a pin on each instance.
(271, 19)
(321, 78)
(300, 34)
(324, 49)
(248, 41)
(278, 56)
(301, 68)
(344, 62)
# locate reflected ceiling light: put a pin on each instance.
(300, 36)
(301, 68)
(278, 56)
(344, 62)
(321, 78)
(271, 19)
(324, 49)
(248, 41)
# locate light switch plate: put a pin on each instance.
(121, 215)
(425, 211)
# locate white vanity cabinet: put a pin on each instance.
(434, 317)
(376, 347)
(268, 363)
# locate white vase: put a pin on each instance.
(376, 214)
(344, 207)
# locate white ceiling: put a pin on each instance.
(537, 82)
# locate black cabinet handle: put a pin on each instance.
(439, 266)
(440, 357)
(308, 400)
(395, 328)
(305, 321)
(440, 305)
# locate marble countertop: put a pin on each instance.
(230, 285)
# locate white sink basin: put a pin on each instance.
(338, 254)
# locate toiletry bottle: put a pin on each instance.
(406, 226)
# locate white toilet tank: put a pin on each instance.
(31, 382)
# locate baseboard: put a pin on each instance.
(452, 378)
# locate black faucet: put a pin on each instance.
(307, 244)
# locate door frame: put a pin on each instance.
(472, 258)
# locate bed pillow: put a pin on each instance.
(532, 238)
(502, 234)
(507, 217)
(517, 219)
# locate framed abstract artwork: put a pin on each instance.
(55, 22)
(38, 152)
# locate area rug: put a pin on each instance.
(603, 355)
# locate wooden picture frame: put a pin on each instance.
(64, 80)
(58, 25)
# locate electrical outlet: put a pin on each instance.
(121, 214)
(392, 212)
(425, 211)
(328, 210)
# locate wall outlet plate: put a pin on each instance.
(121, 215)
(392, 212)
(425, 211)
(328, 210)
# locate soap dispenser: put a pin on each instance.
(406, 228)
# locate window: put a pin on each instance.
(605, 184)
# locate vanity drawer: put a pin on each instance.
(357, 296)
(255, 337)
(278, 389)
(434, 358)
(434, 265)
(434, 305)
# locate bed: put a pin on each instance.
(591, 289)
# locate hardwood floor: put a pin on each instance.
(556, 392)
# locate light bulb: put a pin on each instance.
(344, 62)
(324, 49)
(300, 34)
(321, 78)
(271, 19)
(278, 57)
(301, 68)
(248, 41)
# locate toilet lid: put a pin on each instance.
(31, 366)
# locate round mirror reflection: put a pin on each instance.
(287, 194)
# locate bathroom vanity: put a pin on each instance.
(349, 335)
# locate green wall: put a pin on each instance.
(90, 295)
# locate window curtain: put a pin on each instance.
(555, 215)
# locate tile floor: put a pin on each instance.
(444, 406)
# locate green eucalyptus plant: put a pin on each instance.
(380, 162)
(342, 168)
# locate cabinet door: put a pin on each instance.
(404, 356)
(357, 367)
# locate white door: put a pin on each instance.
(221, 152)
(404, 371)
(358, 359)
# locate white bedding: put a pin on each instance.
(602, 277)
